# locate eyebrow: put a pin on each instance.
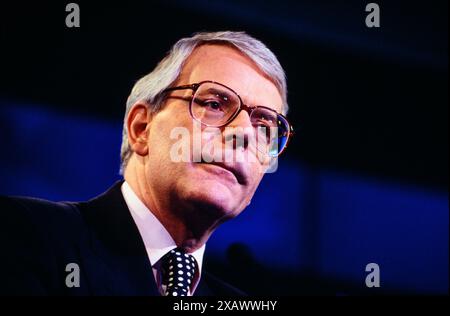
(222, 93)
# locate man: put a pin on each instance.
(146, 235)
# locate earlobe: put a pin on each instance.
(140, 147)
(138, 123)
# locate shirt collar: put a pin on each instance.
(157, 239)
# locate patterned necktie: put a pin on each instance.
(178, 269)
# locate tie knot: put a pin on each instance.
(178, 269)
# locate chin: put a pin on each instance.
(215, 198)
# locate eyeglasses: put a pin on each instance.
(214, 104)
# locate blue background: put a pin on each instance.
(365, 179)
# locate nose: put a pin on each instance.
(239, 132)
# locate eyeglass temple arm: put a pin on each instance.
(193, 86)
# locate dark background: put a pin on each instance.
(365, 178)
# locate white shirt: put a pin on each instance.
(157, 239)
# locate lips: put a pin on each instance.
(237, 170)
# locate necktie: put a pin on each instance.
(178, 269)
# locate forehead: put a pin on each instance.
(228, 66)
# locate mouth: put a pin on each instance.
(234, 171)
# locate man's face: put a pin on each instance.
(224, 190)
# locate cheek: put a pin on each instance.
(160, 162)
(256, 178)
(163, 124)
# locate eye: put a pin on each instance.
(214, 105)
(263, 121)
(263, 124)
(210, 104)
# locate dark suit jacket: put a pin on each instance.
(39, 238)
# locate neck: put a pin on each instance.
(189, 225)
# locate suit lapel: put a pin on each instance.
(117, 243)
(202, 288)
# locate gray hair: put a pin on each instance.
(150, 87)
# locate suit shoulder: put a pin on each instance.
(38, 238)
(54, 218)
(30, 205)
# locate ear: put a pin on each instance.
(138, 123)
